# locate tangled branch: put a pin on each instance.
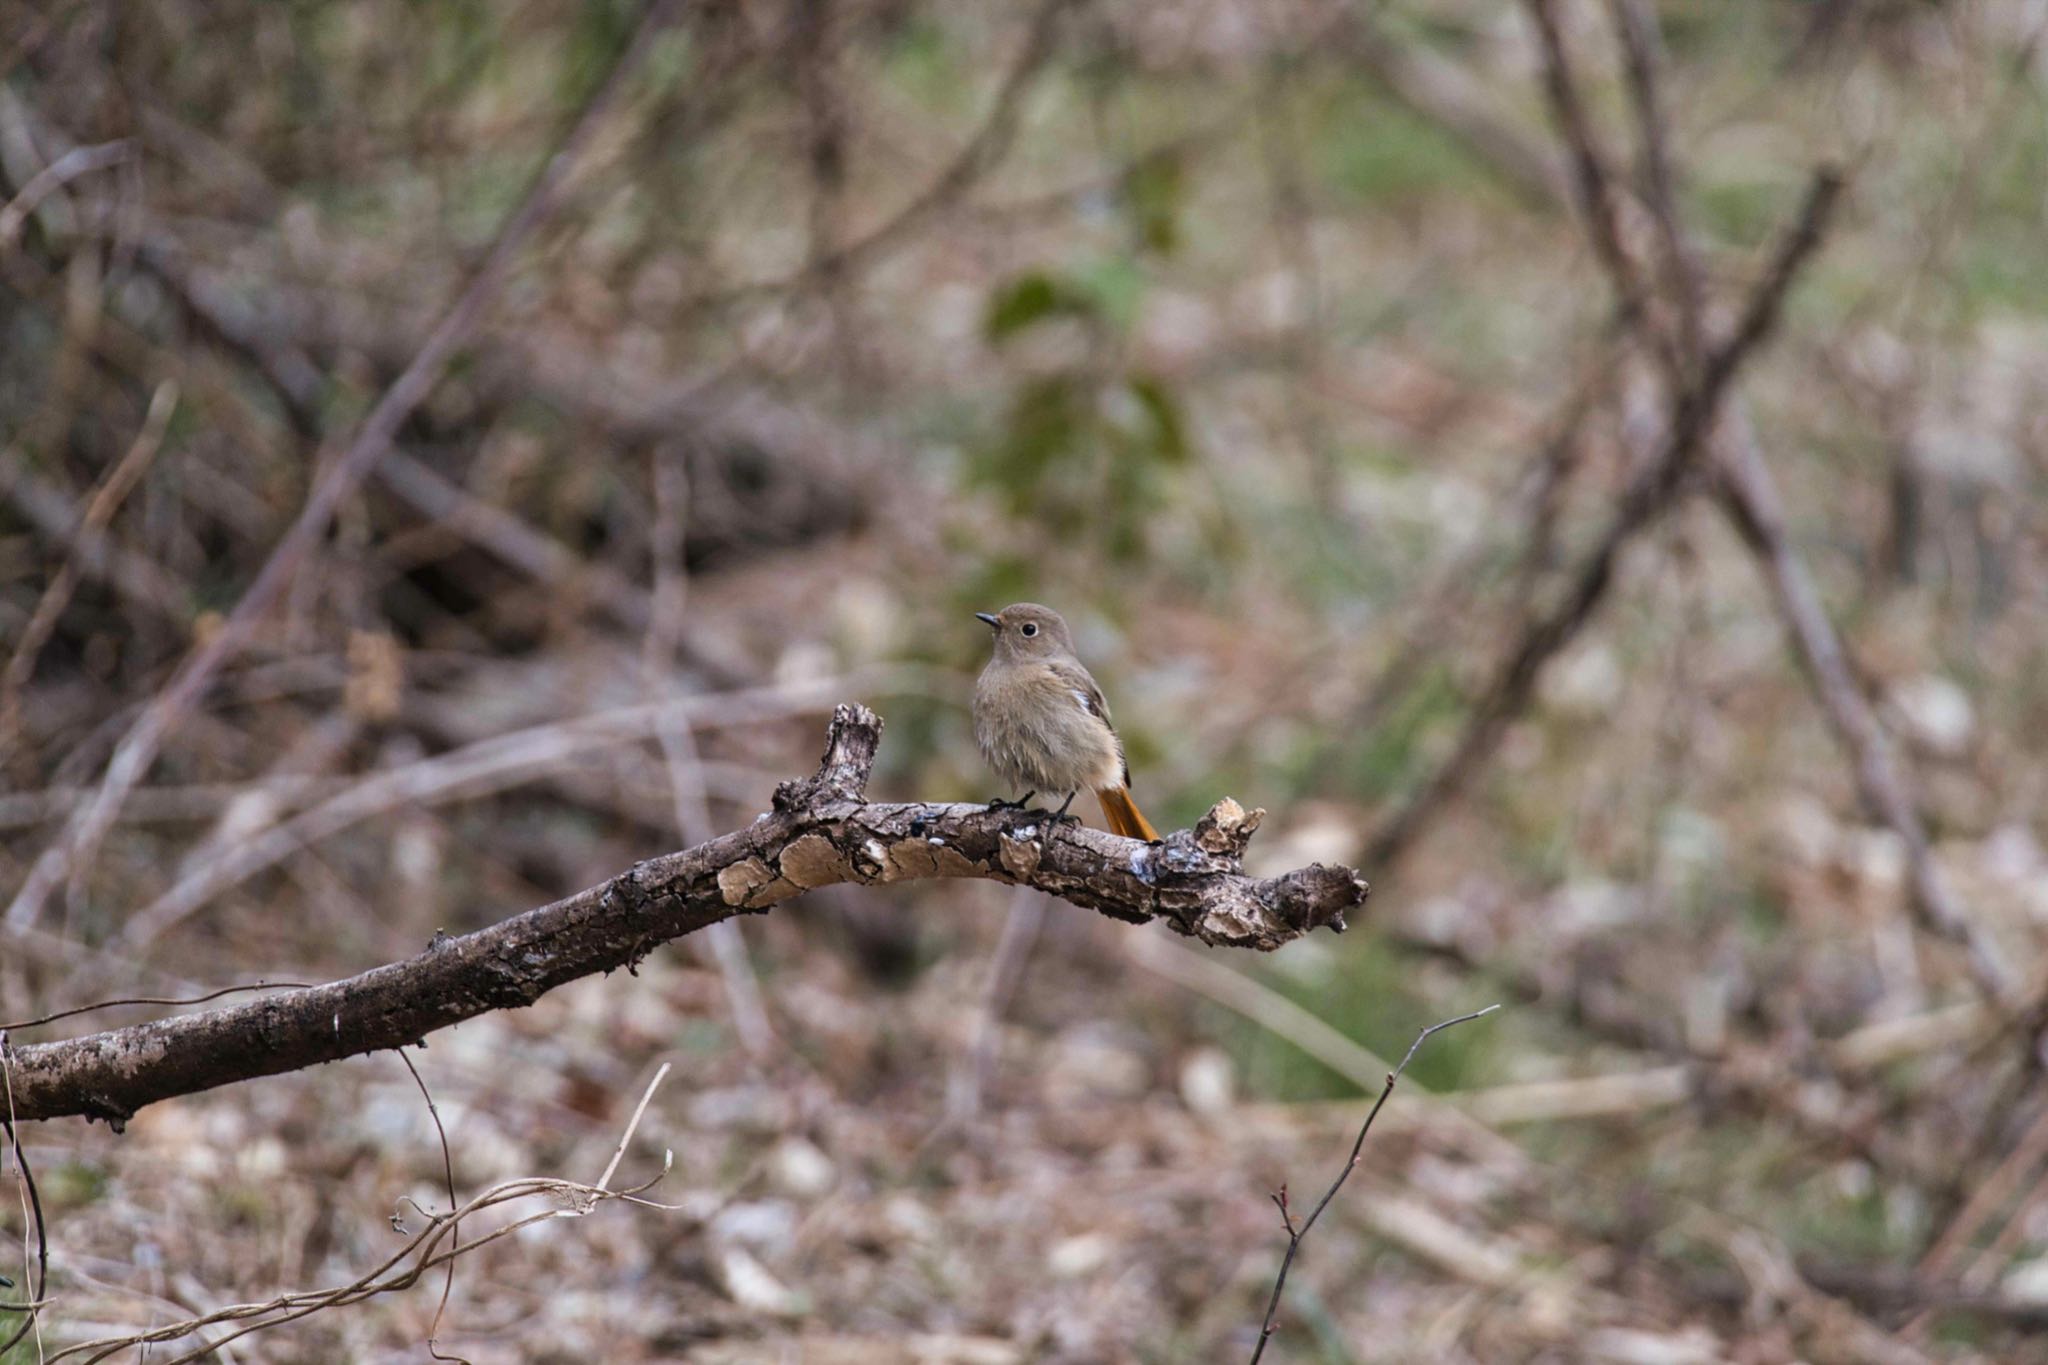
(423, 1252)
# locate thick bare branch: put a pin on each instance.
(1648, 497)
(1749, 494)
(1458, 100)
(1591, 180)
(822, 831)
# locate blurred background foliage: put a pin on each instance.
(1262, 340)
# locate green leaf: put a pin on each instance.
(1044, 427)
(1153, 194)
(1115, 289)
(1031, 299)
(1169, 432)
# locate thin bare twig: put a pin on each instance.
(454, 1222)
(604, 1182)
(1444, 613)
(423, 1250)
(482, 766)
(450, 507)
(512, 540)
(96, 1006)
(75, 846)
(987, 146)
(99, 510)
(1297, 1231)
(1750, 497)
(1985, 1201)
(969, 1074)
(1636, 25)
(32, 1213)
(721, 944)
(421, 1254)
(1306, 1031)
(53, 512)
(1457, 100)
(1590, 179)
(53, 177)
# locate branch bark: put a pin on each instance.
(822, 831)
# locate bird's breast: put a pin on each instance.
(1035, 732)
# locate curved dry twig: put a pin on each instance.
(98, 1005)
(405, 1267)
(32, 1212)
(455, 1224)
(401, 1270)
(1297, 1231)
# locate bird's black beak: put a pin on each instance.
(988, 617)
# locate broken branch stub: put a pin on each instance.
(822, 831)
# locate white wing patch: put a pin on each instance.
(1082, 697)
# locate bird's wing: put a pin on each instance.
(1087, 695)
(1081, 683)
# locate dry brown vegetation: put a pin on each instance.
(1579, 461)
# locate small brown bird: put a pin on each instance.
(1042, 724)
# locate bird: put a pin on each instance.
(1041, 723)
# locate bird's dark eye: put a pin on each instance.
(1030, 628)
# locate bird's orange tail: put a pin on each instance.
(1124, 816)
